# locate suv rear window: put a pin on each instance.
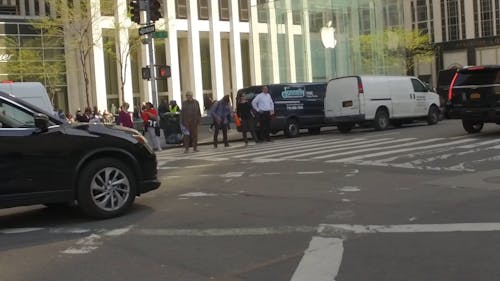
(478, 78)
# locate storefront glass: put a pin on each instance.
(318, 40)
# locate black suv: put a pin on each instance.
(44, 160)
(474, 97)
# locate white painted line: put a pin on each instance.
(409, 228)
(321, 261)
(118, 231)
(233, 174)
(85, 245)
(399, 150)
(167, 168)
(199, 166)
(282, 147)
(315, 148)
(349, 189)
(197, 194)
(229, 231)
(310, 173)
(360, 149)
(20, 230)
(350, 145)
(478, 144)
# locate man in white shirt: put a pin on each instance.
(264, 105)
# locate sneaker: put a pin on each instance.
(186, 150)
(210, 130)
(226, 145)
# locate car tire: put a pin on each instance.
(292, 129)
(345, 127)
(381, 121)
(472, 126)
(433, 115)
(314, 131)
(106, 188)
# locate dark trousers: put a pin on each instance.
(192, 139)
(265, 125)
(222, 127)
(248, 125)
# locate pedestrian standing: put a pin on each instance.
(150, 118)
(221, 114)
(190, 120)
(244, 111)
(264, 105)
(124, 117)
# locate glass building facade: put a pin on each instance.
(316, 40)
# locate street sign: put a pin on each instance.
(146, 29)
(160, 34)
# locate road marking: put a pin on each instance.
(398, 150)
(85, 245)
(20, 230)
(321, 261)
(229, 231)
(310, 173)
(409, 228)
(197, 194)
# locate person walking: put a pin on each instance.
(150, 118)
(190, 120)
(244, 111)
(221, 114)
(264, 105)
(124, 118)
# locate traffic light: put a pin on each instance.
(154, 10)
(163, 72)
(146, 73)
(135, 12)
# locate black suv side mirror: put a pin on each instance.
(42, 122)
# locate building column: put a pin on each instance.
(255, 67)
(469, 19)
(273, 37)
(123, 53)
(307, 46)
(235, 47)
(194, 52)
(290, 42)
(172, 53)
(97, 84)
(215, 52)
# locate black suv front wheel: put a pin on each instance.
(472, 126)
(106, 188)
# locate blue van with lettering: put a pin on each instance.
(296, 106)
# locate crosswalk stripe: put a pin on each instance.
(398, 150)
(478, 144)
(377, 148)
(287, 150)
(283, 148)
(368, 143)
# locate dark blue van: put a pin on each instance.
(296, 106)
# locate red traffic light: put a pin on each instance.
(164, 71)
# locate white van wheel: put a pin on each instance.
(433, 115)
(381, 121)
(345, 127)
(292, 129)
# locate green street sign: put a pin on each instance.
(160, 34)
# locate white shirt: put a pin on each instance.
(263, 102)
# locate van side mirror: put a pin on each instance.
(41, 122)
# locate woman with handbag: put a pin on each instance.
(151, 126)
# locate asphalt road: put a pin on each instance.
(414, 203)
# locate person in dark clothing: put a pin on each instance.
(244, 111)
(221, 114)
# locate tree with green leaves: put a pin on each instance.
(396, 49)
(73, 21)
(28, 65)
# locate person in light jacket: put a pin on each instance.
(264, 105)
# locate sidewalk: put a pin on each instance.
(204, 136)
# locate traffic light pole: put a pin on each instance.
(154, 93)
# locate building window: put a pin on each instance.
(107, 7)
(422, 17)
(181, 9)
(203, 9)
(243, 10)
(392, 13)
(224, 10)
(453, 20)
(483, 18)
(262, 11)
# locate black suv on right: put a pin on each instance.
(474, 97)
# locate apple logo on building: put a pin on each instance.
(328, 36)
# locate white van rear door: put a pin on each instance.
(342, 97)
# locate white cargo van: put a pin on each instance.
(32, 92)
(379, 100)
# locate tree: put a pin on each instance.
(121, 53)
(395, 48)
(28, 65)
(73, 21)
